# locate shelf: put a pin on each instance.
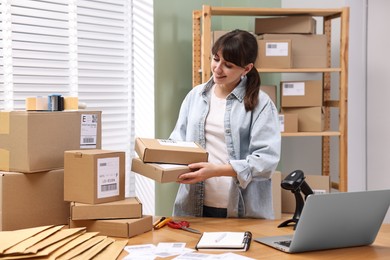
(305, 134)
(309, 70)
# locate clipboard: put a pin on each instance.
(228, 241)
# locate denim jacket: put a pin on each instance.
(253, 143)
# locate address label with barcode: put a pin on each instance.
(107, 177)
(293, 89)
(169, 142)
(276, 49)
(88, 134)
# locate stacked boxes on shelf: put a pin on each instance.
(32, 146)
(94, 183)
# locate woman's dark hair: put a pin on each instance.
(240, 48)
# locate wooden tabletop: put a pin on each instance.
(380, 249)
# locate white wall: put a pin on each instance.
(378, 95)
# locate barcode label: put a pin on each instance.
(109, 187)
(89, 140)
(88, 131)
(293, 89)
(287, 85)
(276, 49)
(281, 123)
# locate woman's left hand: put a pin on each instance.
(204, 170)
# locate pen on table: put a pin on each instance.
(220, 237)
(157, 222)
(162, 223)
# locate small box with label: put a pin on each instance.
(301, 93)
(274, 54)
(94, 176)
(169, 151)
(288, 123)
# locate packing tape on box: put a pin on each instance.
(37, 104)
(71, 103)
(4, 159)
(4, 123)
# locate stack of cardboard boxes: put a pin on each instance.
(32, 146)
(94, 183)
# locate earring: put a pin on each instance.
(242, 76)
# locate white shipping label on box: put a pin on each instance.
(281, 122)
(108, 177)
(276, 49)
(177, 143)
(88, 136)
(294, 89)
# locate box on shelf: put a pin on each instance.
(94, 176)
(169, 151)
(127, 208)
(215, 36)
(271, 91)
(277, 194)
(286, 24)
(288, 123)
(310, 119)
(36, 141)
(162, 173)
(116, 227)
(30, 200)
(274, 54)
(318, 183)
(308, 50)
(301, 93)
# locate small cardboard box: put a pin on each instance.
(286, 24)
(169, 151)
(94, 176)
(31, 200)
(288, 123)
(277, 194)
(308, 50)
(318, 183)
(274, 54)
(271, 91)
(310, 119)
(35, 141)
(301, 93)
(127, 208)
(116, 227)
(215, 35)
(162, 173)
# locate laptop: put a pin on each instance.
(335, 220)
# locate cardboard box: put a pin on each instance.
(35, 141)
(286, 24)
(288, 123)
(31, 200)
(277, 194)
(127, 208)
(318, 183)
(307, 93)
(310, 119)
(271, 91)
(162, 173)
(274, 54)
(116, 227)
(308, 50)
(215, 36)
(169, 151)
(94, 176)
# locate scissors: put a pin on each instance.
(182, 225)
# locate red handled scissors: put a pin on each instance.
(182, 225)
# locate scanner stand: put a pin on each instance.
(298, 209)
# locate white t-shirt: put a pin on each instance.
(216, 188)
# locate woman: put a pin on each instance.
(238, 125)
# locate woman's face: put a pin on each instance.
(224, 72)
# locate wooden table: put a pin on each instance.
(380, 249)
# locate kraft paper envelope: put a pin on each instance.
(77, 241)
(82, 247)
(11, 238)
(112, 251)
(21, 247)
(90, 253)
(62, 234)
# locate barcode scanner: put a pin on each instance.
(295, 182)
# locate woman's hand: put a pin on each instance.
(204, 170)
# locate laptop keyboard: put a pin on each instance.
(285, 243)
